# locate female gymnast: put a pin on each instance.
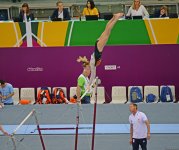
(89, 67)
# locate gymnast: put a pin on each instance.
(89, 67)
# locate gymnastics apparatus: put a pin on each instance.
(95, 61)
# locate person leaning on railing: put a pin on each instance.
(90, 9)
(6, 93)
(137, 9)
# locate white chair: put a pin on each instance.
(151, 90)
(16, 96)
(72, 91)
(100, 95)
(63, 88)
(119, 95)
(28, 93)
(40, 88)
(129, 89)
(172, 87)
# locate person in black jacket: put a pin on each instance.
(60, 12)
(163, 12)
(25, 14)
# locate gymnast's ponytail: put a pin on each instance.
(84, 61)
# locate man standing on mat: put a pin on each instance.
(139, 128)
(95, 59)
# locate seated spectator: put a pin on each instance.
(60, 12)
(163, 12)
(6, 93)
(90, 9)
(137, 10)
(25, 14)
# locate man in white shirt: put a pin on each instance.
(139, 128)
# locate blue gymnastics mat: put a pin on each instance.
(87, 129)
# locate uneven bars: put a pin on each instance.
(25, 119)
(77, 115)
(73, 128)
(94, 115)
(39, 131)
(57, 128)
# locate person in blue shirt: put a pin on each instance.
(6, 93)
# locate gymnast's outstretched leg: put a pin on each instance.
(101, 42)
(99, 46)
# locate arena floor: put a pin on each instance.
(111, 114)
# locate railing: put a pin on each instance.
(45, 9)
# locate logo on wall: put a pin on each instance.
(111, 67)
(35, 69)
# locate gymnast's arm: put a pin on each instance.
(93, 69)
(3, 131)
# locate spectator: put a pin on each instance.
(90, 9)
(60, 12)
(6, 93)
(139, 128)
(25, 14)
(163, 12)
(83, 82)
(2, 130)
(137, 10)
